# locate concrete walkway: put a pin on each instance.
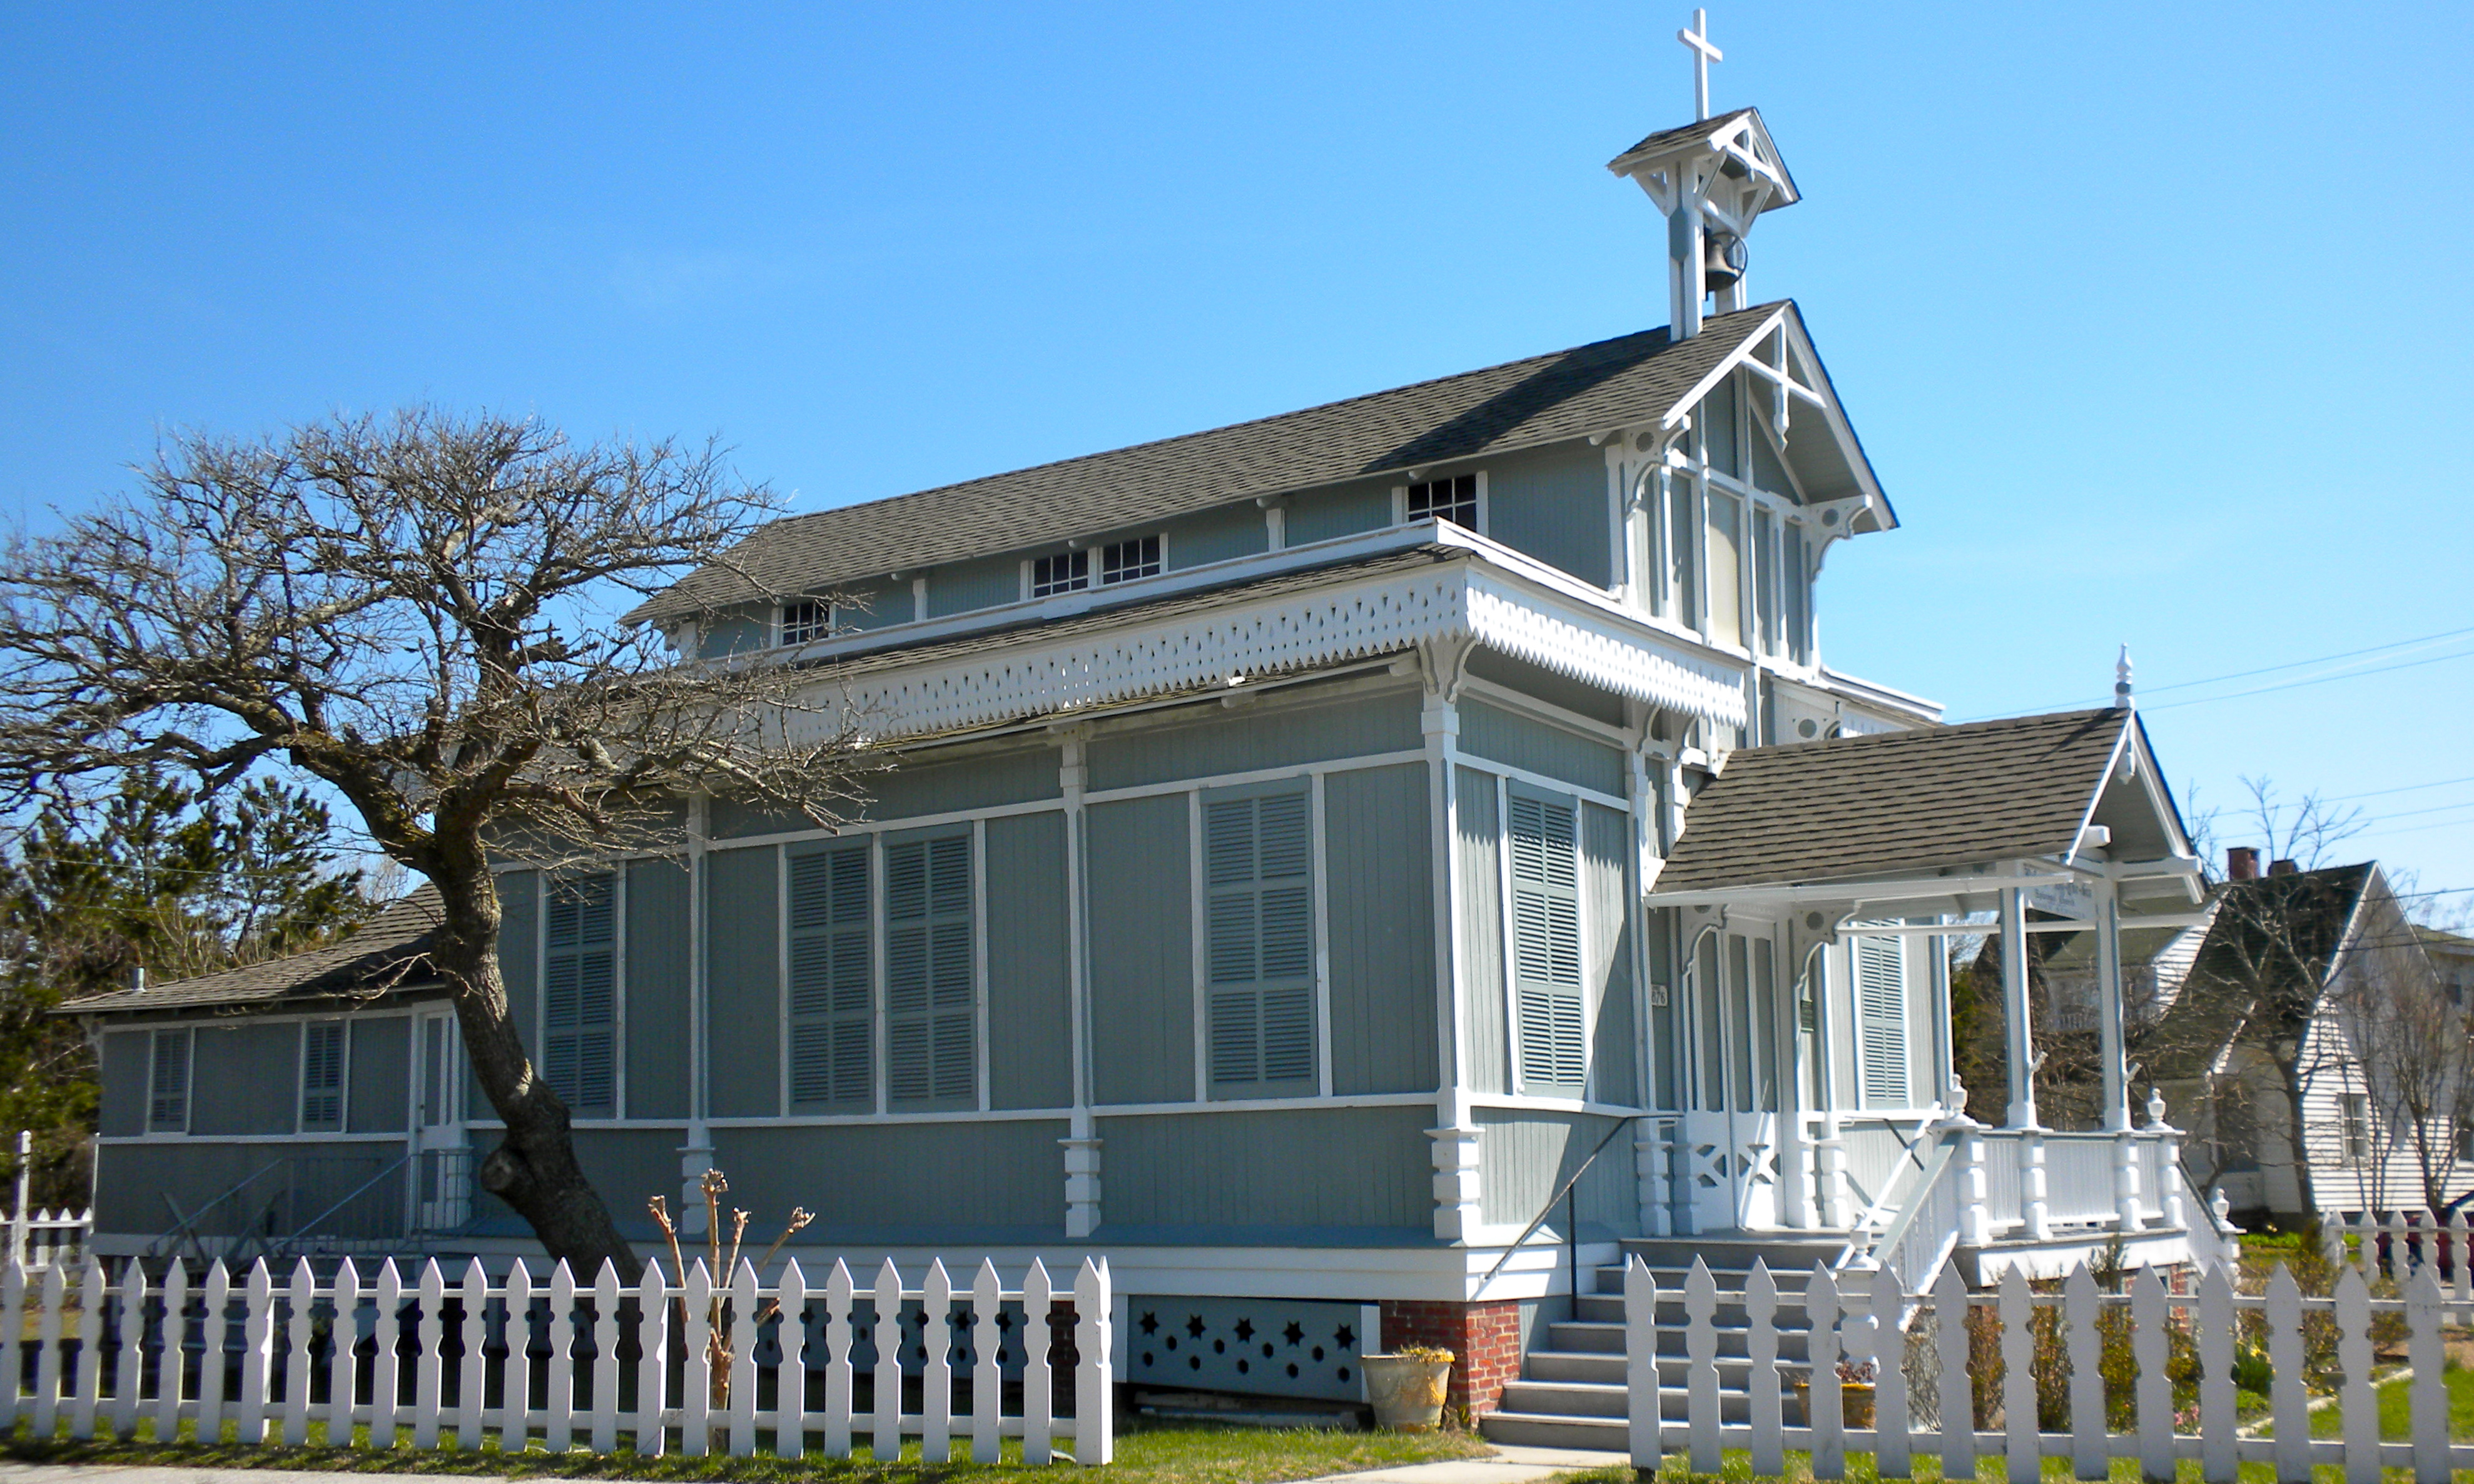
(1508, 1466)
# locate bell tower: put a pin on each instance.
(1710, 179)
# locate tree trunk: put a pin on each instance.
(534, 1167)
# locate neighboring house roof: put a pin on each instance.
(2272, 935)
(1519, 404)
(385, 952)
(1902, 800)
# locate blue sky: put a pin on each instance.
(2153, 319)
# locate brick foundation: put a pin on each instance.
(1485, 1337)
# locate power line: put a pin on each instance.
(2316, 679)
(2291, 664)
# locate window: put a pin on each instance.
(1766, 604)
(322, 1077)
(1068, 571)
(2465, 1136)
(929, 999)
(1259, 937)
(167, 1084)
(1799, 597)
(832, 1022)
(2358, 1127)
(1725, 574)
(1453, 499)
(1122, 561)
(805, 620)
(1882, 1020)
(1547, 944)
(580, 994)
(1683, 561)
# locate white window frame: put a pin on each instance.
(1307, 786)
(1867, 1095)
(343, 1029)
(882, 989)
(1110, 553)
(868, 849)
(1507, 791)
(2354, 1126)
(820, 627)
(1077, 580)
(187, 1037)
(1400, 514)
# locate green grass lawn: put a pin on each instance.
(1145, 1454)
(2397, 1410)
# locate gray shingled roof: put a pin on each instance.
(387, 949)
(1904, 800)
(1519, 404)
(1666, 139)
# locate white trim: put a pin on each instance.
(1506, 976)
(1547, 713)
(374, 1137)
(781, 977)
(880, 1027)
(979, 961)
(1198, 927)
(1319, 903)
(396, 1010)
(301, 1075)
(1481, 763)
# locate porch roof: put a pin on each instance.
(387, 952)
(1917, 800)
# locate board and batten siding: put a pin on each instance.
(1024, 774)
(1607, 966)
(1380, 898)
(133, 1181)
(378, 1086)
(1030, 1029)
(1283, 736)
(1343, 510)
(658, 1031)
(1479, 862)
(245, 1078)
(625, 1165)
(1523, 1157)
(1338, 1168)
(123, 1104)
(1220, 535)
(1005, 1176)
(1551, 504)
(1141, 922)
(1495, 733)
(965, 586)
(744, 983)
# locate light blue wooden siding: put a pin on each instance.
(1662, 1016)
(735, 632)
(744, 979)
(968, 586)
(1490, 732)
(245, 1079)
(658, 1034)
(1524, 1157)
(307, 1182)
(1557, 690)
(1275, 733)
(865, 606)
(1030, 1030)
(381, 1075)
(1343, 510)
(1606, 838)
(1142, 953)
(1380, 896)
(1481, 934)
(1216, 535)
(123, 1108)
(1329, 1169)
(904, 1181)
(985, 781)
(1552, 503)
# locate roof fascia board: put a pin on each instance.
(1786, 320)
(2096, 794)
(1858, 891)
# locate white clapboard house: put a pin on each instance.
(1356, 869)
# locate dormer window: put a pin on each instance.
(1122, 561)
(1453, 499)
(805, 620)
(1068, 571)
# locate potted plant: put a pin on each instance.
(1406, 1386)
(1856, 1379)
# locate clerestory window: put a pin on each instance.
(1068, 571)
(1122, 561)
(1453, 499)
(805, 620)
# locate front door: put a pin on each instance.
(1730, 1127)
(442, 1183)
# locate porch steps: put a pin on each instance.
(1571, 1389)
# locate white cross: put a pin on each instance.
(1703, 54)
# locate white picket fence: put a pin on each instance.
(39, 1238)
(134, 1338)
(1848, 1309)
(2396, 1245)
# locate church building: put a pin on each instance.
(1360, 870)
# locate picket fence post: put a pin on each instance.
(937, 1372)
(13, 1329)
(838, 1340)
(2357, 1398)
(303, 1303)
(167, 1385)
(2218, 1461)
(1957, 1402)
(790, 1378)
(1641, 1413)
(345, 1299)
(987, 1375)
(257, 1351)
(1038, 1393)
(742, 1360)
(1761, 1381)
(1701, 1378)
(217, 1326)
(886, 1445)
(2089, 1456)
(2023, 1452)
(695, 1363)
(471, 1379)
(132, 1352)
(2154, 1390)
(2427, 1396)
(652, 1363)
(1094, 1430)
(1891, 1440)
(1824, 1409)
(2288, 1406)
(91, 1299)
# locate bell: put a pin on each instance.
(1722, 261)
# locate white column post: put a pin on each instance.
(2168, 1154)
(695, 1154)
(1454, 1137)
(2034, 1208)
(25, 1188)
(1082, 1141)
(2017, 1033)
(1975, 1218)
(2108, 1006)
(1829, 1149)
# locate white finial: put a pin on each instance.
(2122, 701)
(1703, 54)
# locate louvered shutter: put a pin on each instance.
(1882, 1020)
(1258, 866)
(580, 994)
(167, 1103)
(930, 1004)
(322, 1077)
(1547, 944)
(832, 1015)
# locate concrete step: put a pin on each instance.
(1787, 1281)
(1568, 1398)
(1671, 1310)
(1531, 1429)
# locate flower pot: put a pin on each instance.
(1855, 1403)
(1407, 1394)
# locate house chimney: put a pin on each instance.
(2283, 868)
(2241, 863)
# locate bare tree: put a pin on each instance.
(2410, 1045)
(424, 612)
(2303, 831)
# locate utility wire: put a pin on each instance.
(2243, 675)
